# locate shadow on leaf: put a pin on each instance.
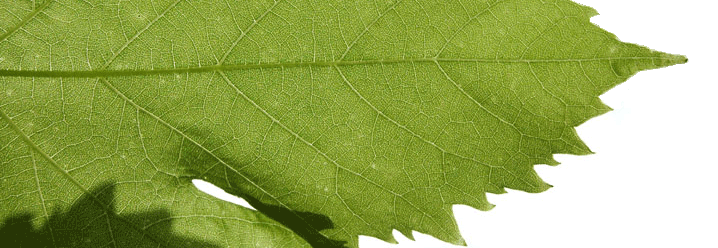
(200, 164)
(92, 222)
(305, 224)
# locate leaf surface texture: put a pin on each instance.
(338, 119)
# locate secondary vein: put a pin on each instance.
(25, 20)
(69, 177)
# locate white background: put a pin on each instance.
(653, 181)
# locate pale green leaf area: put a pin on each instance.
(337, 118)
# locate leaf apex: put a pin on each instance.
(677, 59)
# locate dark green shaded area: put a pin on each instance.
(305, 224)
(199, 164)
(92, 222)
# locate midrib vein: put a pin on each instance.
(215, 68)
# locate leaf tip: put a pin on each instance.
(460, 242)
(667, 59)
(678, 59)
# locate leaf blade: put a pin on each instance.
(387, 121)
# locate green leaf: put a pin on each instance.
(88, 224)
(333, 119)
